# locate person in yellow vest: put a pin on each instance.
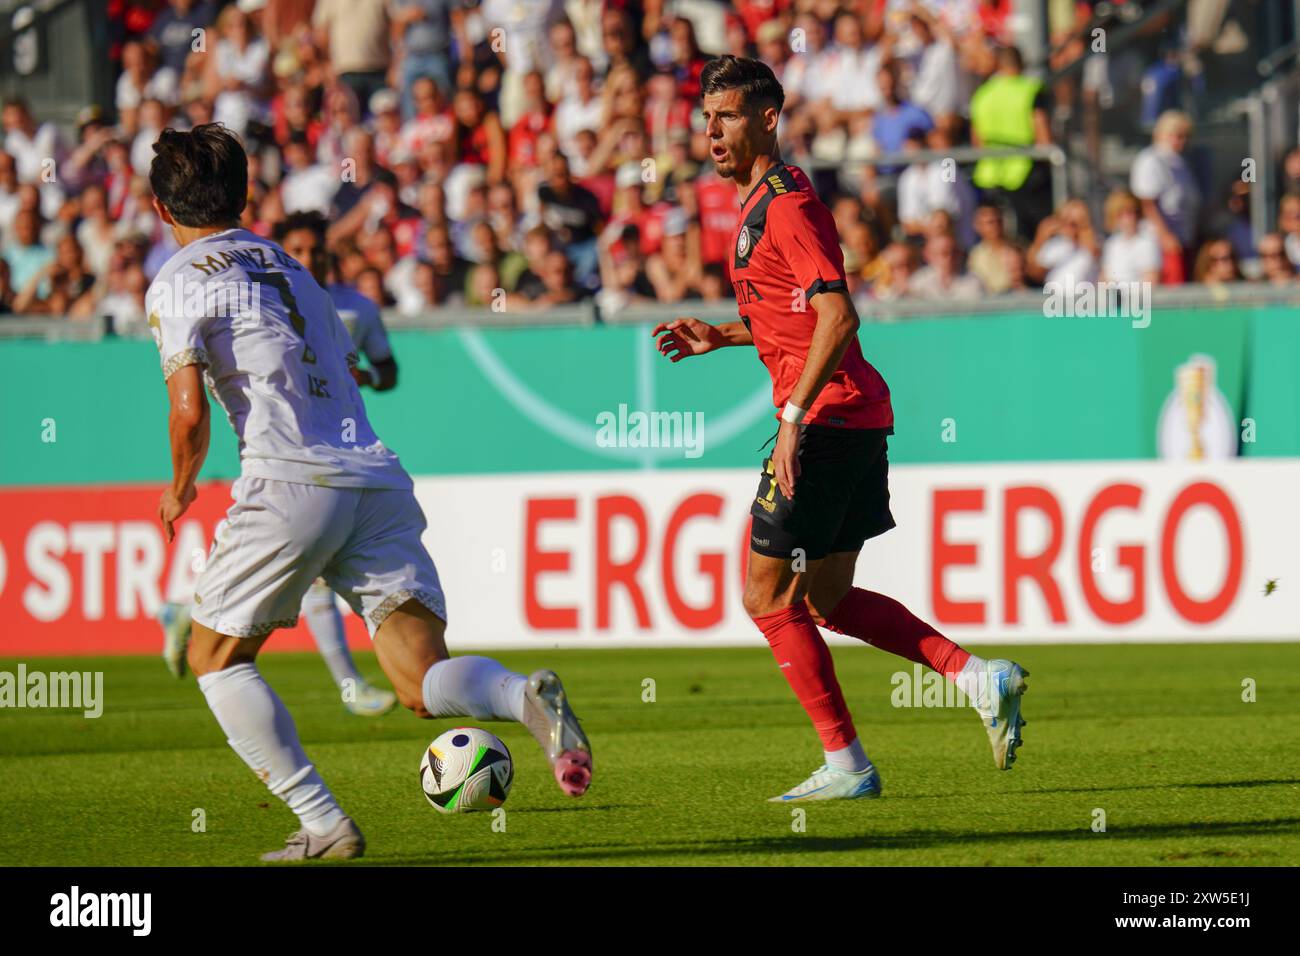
(1010, 109)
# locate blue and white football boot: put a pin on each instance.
(1004, 685)
(832, 783)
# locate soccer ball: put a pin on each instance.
(466, 769)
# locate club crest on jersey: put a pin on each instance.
(743, 243)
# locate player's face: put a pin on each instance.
(304, 245)
(737, 132)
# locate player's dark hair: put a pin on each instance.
(200, 176)
(309, 219)
(754, 78)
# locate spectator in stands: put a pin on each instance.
(1131, 252)
(370, 283)
(173, 31)
(236, 71)
(851, 91)
(581, 107)
(63, 286)
(450, 269)
(1216, 263)
(572, 212)
(1276, 267)
(308, 186)
(558, 284)
(143, 79)
(121, 299)
(561, 74)
(675, 270)
(355, 34)
(483, 248)
(96, 232)
(623, 277)
(484, 289)
(899, 260)
(480, 139)
(6, 289)
(424, 47)
(924, 188)
(1171, 199)
(1288, 223)
(9, 201)
(988, 260)
(941, 278)
(896, 119)
(1014, 263)
(936, 85)
(1066, 250)
(36, 149)
(1010, 110)
(1231, 219)
(804, 78)
(23, 249)
(1289, 172)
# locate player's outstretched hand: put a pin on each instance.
(685, 336)
(170, 508)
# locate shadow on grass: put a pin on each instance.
(1215, 785)
(803, 844)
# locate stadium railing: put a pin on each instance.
(1248, 294)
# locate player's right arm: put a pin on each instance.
(179, 332)
(188, 428)
(686, 336)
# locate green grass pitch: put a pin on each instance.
(1156, 737)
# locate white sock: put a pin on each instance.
(474, 687)
(262, 732)
(326, 625)
(971, 680)
(851, 758)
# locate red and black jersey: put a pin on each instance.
(786, 250)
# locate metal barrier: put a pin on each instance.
(1247, 294)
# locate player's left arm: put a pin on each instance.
(188, 427)
(382, 373)
(837, 324)
(805, 234)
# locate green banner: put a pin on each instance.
(993, 388)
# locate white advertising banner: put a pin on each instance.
(1104, 551)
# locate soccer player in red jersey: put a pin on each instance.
(825, 490)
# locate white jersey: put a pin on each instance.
(362, 319)
(278, 361)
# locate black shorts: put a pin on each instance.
(841, 497)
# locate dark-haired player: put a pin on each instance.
(302, 235)
(318, 496)
(824, 490)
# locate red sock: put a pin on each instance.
(884, 623)
(805, 660)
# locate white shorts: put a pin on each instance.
(279, 536)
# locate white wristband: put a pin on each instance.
(374, 376)
(792, 413)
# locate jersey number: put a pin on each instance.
(279, 282)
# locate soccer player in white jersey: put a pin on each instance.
(318, 496)
(302, 235)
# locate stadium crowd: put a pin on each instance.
(527, 154)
